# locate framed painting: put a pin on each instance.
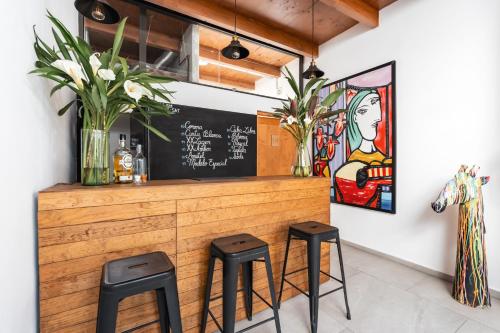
(356, 148)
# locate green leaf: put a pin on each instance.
(58, 86)
(61, 45)
(96, 100)
(124, 66)
(332, 97)
(292, 82)
(101, 86)
(152, 129)
(117, 43)
(310, 84)
(329, 114)
(65, 108)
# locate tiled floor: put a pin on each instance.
(384, 296)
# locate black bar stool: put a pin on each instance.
(135, 275)
(314, 233)
(242, 249)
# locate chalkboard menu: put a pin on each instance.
(204, 143)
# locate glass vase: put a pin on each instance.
(95, 157)
(302, 166)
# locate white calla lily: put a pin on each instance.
(95, 63)
(307, 120)
(135, 90)
(291, 119)
(73, 69)
(106, 74)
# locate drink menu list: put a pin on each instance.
(204, 143)
(198, 143)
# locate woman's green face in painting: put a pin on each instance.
(367, 116)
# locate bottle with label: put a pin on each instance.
(123, 171)
(140, 167)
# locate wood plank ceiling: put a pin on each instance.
(284, 23)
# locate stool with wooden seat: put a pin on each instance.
(314, 233)
(135, 275)
(235, 251)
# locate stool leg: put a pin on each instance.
(270, 280)
(208, 291)
(107, 313)
(284, 269)
(162, 310)
(248, 286)
(313, 267)
(173, 307)
(337, 240)
(229, 289)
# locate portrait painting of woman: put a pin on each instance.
(355, 149)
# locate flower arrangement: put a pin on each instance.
(300, 115)
(106, 88)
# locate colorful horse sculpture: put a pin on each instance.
(470, 284)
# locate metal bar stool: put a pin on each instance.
(135, 275)
(314, 233)
(242, 249)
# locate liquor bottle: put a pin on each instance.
(123, 171)
(140, 167)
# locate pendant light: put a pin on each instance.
(97, 11)
(313, 71)
(235, 50)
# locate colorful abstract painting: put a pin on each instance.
(356, 148)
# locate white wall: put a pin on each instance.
(38, 147)
(220, 99)
(448, 80)
(278, 87)
(37, 151)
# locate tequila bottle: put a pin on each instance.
(123, 170)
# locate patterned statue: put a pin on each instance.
(470, 284)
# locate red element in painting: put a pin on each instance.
(359, 149)
(339, 124)
(331, 147)
(319, 138)
(320, 168)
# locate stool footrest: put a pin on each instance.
(307, 294)
(331, 291)
(249, 327)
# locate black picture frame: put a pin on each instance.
(394, 138)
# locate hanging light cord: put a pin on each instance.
(312, 31)
(235, 13)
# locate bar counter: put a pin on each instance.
(80, 228)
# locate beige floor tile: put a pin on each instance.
(471, 326)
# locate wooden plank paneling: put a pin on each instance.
(75, 195)
(64, 217)
(93, 225)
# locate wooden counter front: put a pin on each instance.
(80, 228)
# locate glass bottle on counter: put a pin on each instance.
(140, 167)
(123, 170)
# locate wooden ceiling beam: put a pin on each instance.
(209, 11)
(357, 10)
(252, 67)
(230, 82)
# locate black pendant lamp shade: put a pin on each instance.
(97, 11)
(313, 71)
(235, 50)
